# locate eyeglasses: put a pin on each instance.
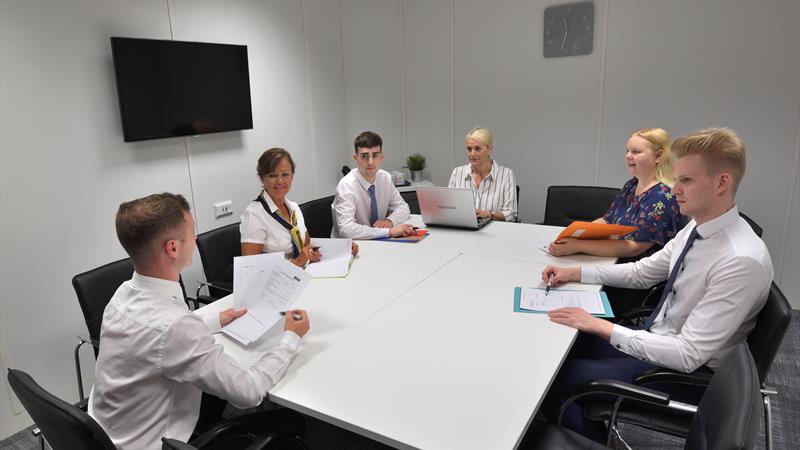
(366, 155)
(282, 175)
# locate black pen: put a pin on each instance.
(294, 316)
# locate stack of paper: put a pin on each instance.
(337, 255)
(266, 285)
(536, 300)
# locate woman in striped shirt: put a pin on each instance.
(494, 185)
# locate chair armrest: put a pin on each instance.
(650, 299)
(174, 444)
(661, 375)
(618, 389)
(636, 313)
(266, 440)
(219, 431)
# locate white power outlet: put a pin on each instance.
(222, 209)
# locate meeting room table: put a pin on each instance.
(420, 347)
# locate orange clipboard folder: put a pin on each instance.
(593, 230)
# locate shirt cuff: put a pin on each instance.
(212, 321)
(590, 275)
(621, 337)
(291, 340)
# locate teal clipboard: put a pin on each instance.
(518, 295)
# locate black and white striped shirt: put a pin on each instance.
(497, 192)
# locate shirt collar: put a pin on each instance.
(160, 286)
(272, 206)
(363, 181)
(492, 172)
(719, 223)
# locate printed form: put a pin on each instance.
(266, 285)
(535, 299)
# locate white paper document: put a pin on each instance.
(265, 284)
(337, 255)
(535, 299)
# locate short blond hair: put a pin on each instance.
(720, 148)
(659, 139)
(480, 134)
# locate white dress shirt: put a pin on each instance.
(351, 207)
(156, 357)
(714, 302)
(258, 227)
(497, 192)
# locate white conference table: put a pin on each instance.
(419, 347)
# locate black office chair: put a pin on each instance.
(68, 427)
(413, 202)
(346, 170)
(726, 418)
(94, 289)
(566, 204)
(217, 249)
(318, 216)
(764, 342)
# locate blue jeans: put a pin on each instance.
(594, 358)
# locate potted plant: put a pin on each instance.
(415, 163)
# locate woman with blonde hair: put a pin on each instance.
(494, 186)
(646, 202)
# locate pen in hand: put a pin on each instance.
(547, 289)
(294, 316)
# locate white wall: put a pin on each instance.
(420, 72)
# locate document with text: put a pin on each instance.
(266, 285)
(337, 255)
(535, 299)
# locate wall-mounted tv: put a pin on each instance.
(175, 88)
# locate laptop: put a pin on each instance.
(449, 208)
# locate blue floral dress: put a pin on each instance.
(654, 212)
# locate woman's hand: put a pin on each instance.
(307, 254)
(482, 213)
(354, 249)
(564, 247)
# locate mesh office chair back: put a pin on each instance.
(63, 425)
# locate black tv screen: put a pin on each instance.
(175, 88)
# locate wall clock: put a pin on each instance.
(568, 29)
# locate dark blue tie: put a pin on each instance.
(671, 280)
(373, 205)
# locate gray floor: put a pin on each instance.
(784, 376)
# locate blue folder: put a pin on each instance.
(518, 295)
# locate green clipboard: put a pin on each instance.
(518, 295)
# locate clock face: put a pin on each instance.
(568, 29)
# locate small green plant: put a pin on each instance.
(416, 161)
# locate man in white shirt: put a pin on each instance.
(157, 358)
(718, 275)
(367, 205)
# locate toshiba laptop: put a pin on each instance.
(449, 208)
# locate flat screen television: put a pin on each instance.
(175, 88)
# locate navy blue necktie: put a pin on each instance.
(671, 280)
(373, 205)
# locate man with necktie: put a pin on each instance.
(717, 271)
(367, 205)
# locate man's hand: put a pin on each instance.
(560, 275)
(298, 326)
(581, 320)
(401, 230)
(230, 314)
(354, 249)
(565, 247)
(383, 223)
